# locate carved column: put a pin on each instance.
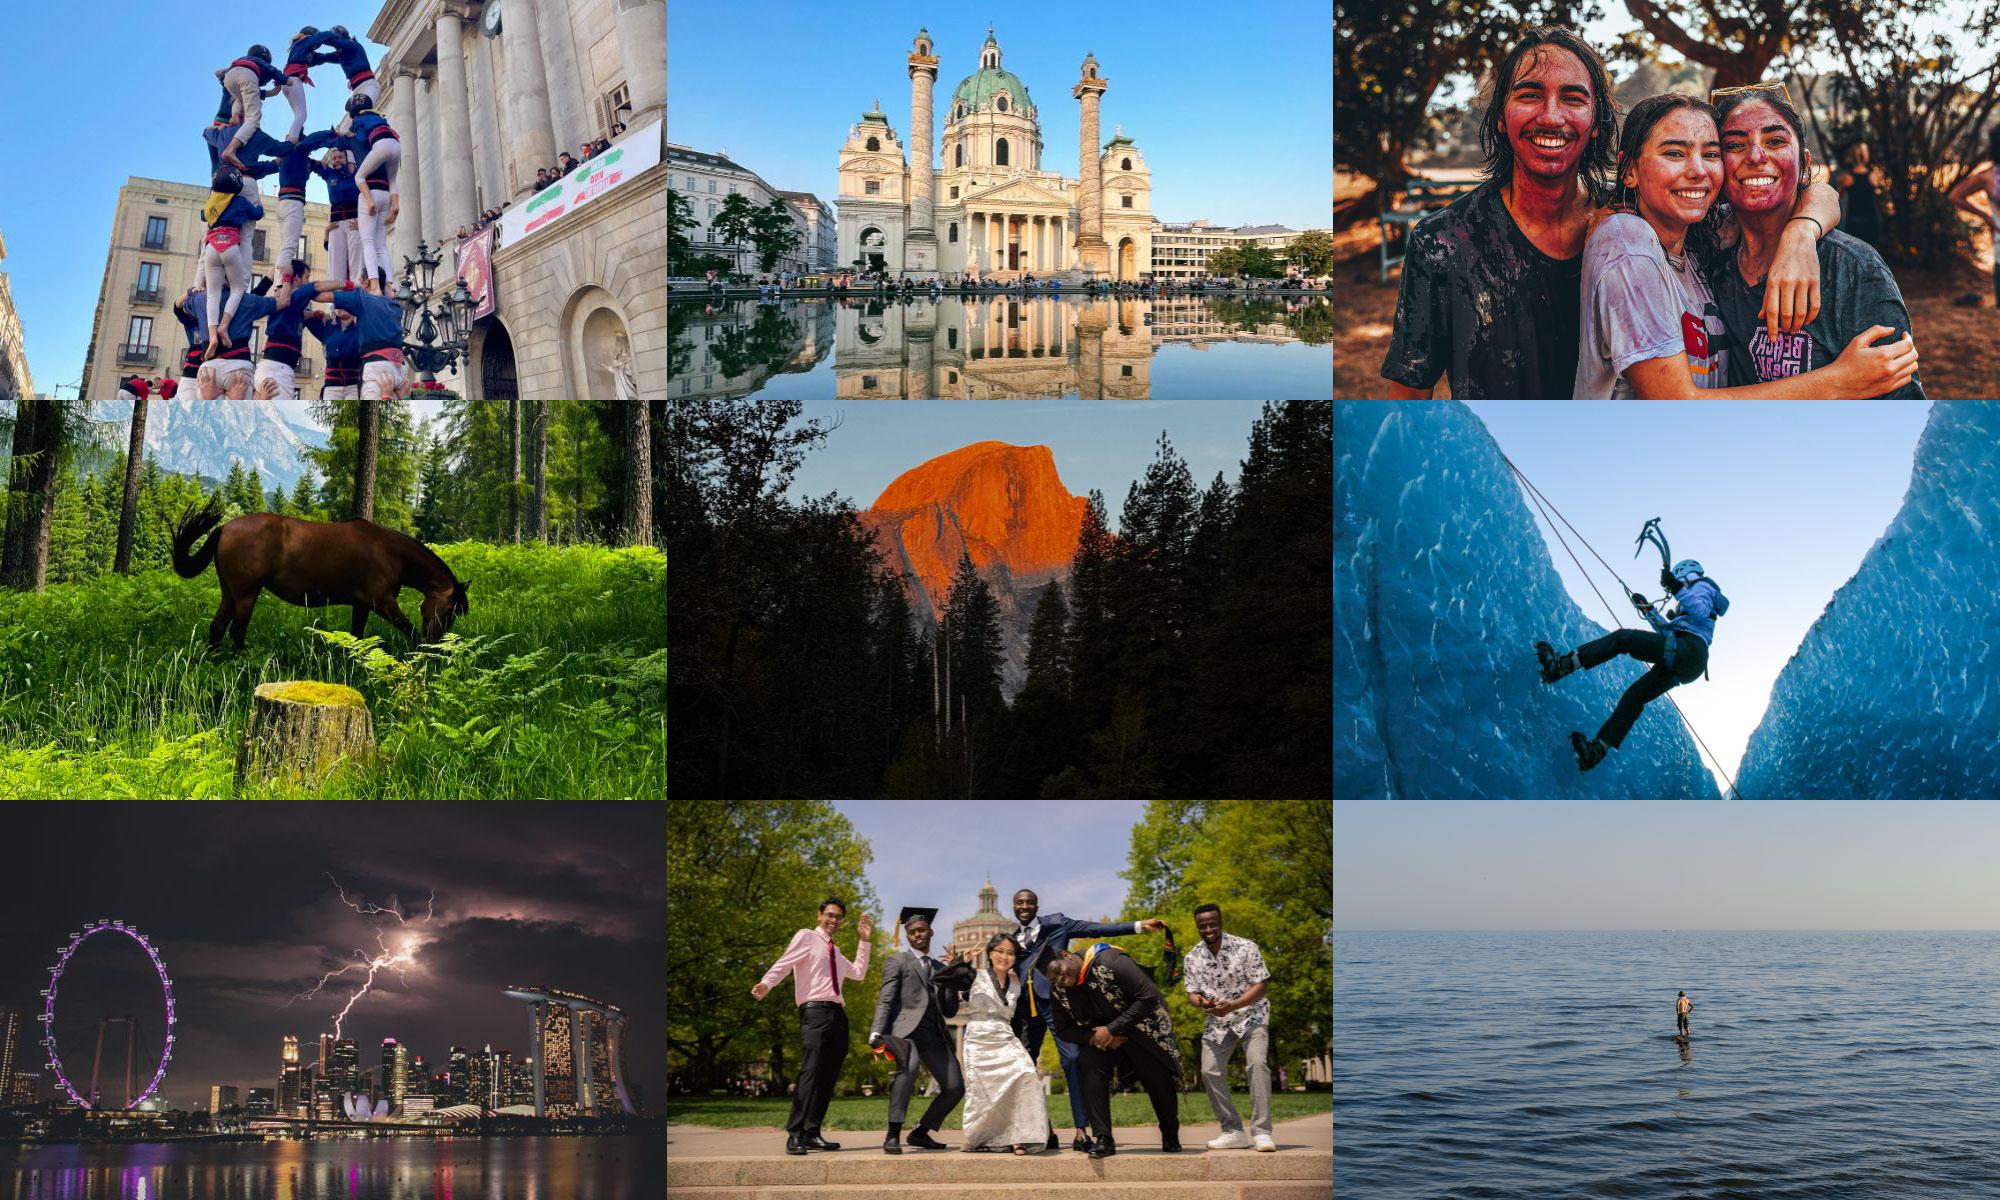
(1089, 92)
(407, 235)
(454, 151)
(532, 136)
(642, 41)
(920, 258)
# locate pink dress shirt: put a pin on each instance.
(806, 959)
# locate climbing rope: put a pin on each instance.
(1535, 497)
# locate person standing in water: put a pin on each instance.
(1682, 1006)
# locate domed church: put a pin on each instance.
(991, 209)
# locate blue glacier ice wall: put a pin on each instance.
(1894, 693)
(1442, 584)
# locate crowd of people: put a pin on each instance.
(361, 326)
(880, 283)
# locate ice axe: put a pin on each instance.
(1651, 532)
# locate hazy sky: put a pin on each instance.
(1778, 501)
(1231, 107)
(938, 853)
(1665, 865)
(1105, 445)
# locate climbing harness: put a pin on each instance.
(1650, 532)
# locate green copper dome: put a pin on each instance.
(979, 90)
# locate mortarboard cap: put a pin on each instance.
(911, 913)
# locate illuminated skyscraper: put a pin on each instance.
(11, 1026)
(395, 1073)
(291, 1101)
(578, 1047)
(499, 1079)
(346, 1069)
(458, 1085)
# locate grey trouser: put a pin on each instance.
(1216, 1051)
(930, 1044)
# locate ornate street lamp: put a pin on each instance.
(437, 325)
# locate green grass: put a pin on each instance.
(553, 686)
(871, 1112)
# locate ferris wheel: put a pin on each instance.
(48, 1018)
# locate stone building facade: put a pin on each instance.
(990, 208)
(482, 92)
(15, 379)
(154, 257)
(705, 179)
(1181, 250)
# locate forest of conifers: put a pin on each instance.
(1188, 655)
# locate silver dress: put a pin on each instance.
(1003, 1095)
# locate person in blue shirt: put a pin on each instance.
(228, 372)
(244, 80)
(336, 45)
(298, 77)
(379, 321)
(1677, 649)
(225, 258)
(293, 165)
(340, 338)
(188, 311)
(283, 338)
(343, 235)
(377, 171)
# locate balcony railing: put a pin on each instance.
(141, 294)
(129, 353)
(304, 368)
(154, 243)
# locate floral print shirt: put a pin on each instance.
(1225, 976)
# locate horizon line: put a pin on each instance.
(1649, 929)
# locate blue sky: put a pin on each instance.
(1232, 106)
(1779, 501)
(1098, 444)
(1665, 865)
(119, 88)
(938, 853)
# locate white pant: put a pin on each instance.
(291, 223)
(343, 247)
(283, 382)
(247, 111)
(223, 376)
(231, 269)
(295, 93)
(374, 236)
(382, 380)
(329, 392)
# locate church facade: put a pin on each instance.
(990, 209)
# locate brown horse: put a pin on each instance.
(315, 564)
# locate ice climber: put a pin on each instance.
(1678, 650)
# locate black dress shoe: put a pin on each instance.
(1102, 1149)
(892, 1145)
(793, 1145)
(921, 1137)
(1082, 1143)
(816, 1142)
(1170, 1145)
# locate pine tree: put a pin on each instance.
(305, 503)
(433, 485)
(1048, 646)
(233, 489)
(972, 619)
(1093, 648)
(253, 492)
(278, 503)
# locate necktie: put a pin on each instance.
(833, 968)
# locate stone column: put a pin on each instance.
(408, 232)
(454, 149)
(531, 131)
(642, 39)
(427, 176)
(1089, 92)
(920, 255)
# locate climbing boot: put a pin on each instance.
(1589, 751)
(1554, 666)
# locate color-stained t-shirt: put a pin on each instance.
(1856, 290)
(1639, 304)
(1481, 304)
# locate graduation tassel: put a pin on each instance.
(896, 938)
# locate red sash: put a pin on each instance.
(223, 237)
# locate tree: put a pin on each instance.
(433, 485)
(1312, 251)
(42, 435)
(1048, 645)
(1737, 39)
(1093, 648)
(680, 219)
(514, 469)
(368, 435)
(1389, 61)
(304, 503)
(234, 488)
(638, 474)
(538, 471)
(771, 229)
(128, 509)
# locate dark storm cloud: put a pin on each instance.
(237, 897)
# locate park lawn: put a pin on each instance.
(863, 1113)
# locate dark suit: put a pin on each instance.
(1118, 994)
(910, 1012)
(1055, 932)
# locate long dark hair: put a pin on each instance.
(991, 942)
(1595, 168)
(1783, 107)
(1702, 239)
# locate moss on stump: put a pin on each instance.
(301, 730)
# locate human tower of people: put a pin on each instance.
(360, 157)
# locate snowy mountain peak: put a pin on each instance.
(203, 437)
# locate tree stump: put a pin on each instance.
(300, 730)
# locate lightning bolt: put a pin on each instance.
(397, 958)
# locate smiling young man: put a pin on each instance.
(1491, 290)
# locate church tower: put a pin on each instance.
(920, 256)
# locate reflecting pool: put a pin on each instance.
(1003, 347)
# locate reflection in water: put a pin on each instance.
(514, 1168)
(1002, 347)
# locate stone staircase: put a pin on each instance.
(859, 1173)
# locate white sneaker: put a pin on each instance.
(1265, 1144)
(1230, 1141)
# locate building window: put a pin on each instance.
(961, 109)
(732, 189)
(1125, 371)
(951, 234)
(1127, 165)
(156, 233)
(867, 383)
(1001, 103)
(615, 107)
(874, 143)
(958, 160)
(139, 334)
(711, 187)
(951, 335)
(149, 276)
(711, 210)
(1000, 153)
(1125, 201)
(259, 250)
(954, 193)
(872, 188)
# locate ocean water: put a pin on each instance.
(1546, 1064)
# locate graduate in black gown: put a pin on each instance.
(1109, 1008)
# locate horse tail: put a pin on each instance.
(193, 524)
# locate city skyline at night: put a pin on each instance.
(399, 923)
